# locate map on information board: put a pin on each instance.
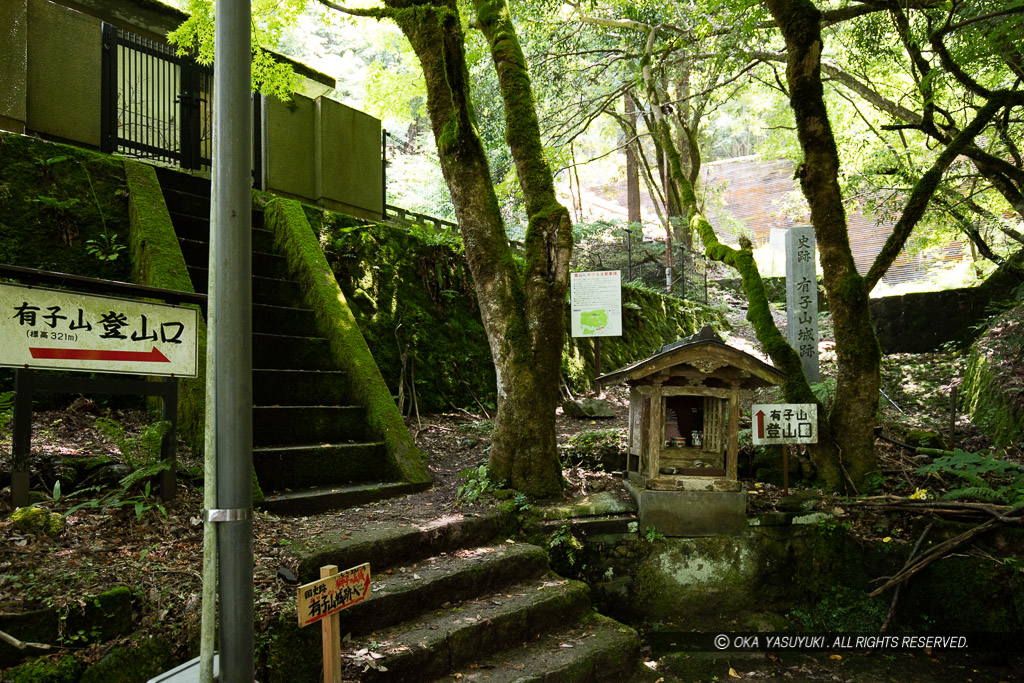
(596, 303)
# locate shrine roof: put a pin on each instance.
(702, 354)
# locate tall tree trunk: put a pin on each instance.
(632, 165)
(523, 313)
(523, 447)
(858, 356)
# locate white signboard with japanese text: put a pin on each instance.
(784, 423)
(596, 303)
(65, 330)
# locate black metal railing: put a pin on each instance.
(158, 105)
(80, 283)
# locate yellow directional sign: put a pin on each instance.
(333, 593)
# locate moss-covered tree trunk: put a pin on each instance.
(522, 311)
(858, 356)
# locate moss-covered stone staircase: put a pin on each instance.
(313, 450)
(455, 599)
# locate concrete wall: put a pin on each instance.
(64, 56)
(323, 151)
(13, 64)
(288, 147)
(348, 160)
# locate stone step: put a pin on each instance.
(197, 254)
(198, 228)
(411, 592)
(606, 528)
(298, 387)
(187, 202)
(290, 467)
(180, 181)
(451, 638)
(265, 290)
(313, 501)
(595, 649)
(302, 425)
(283, 320)
(280, 351)
(386, 546)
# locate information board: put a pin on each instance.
(596, 303)
(58, 329)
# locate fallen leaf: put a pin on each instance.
(733, 674)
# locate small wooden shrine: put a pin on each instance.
(684, 406)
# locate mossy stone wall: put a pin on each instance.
(36, 178)
(990, 392)
(811, 575)
(411, 291)
(156, 260)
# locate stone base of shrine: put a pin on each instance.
(690, 513)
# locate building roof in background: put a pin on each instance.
(750, 196)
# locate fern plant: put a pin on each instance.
(139, 450)
(984, 476)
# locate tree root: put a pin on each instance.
(944, 548)
(899, 589)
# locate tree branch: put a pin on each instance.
(923, 191)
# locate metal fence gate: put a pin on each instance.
(157, 105)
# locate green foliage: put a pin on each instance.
(105, 247)
(652, 535)
(595, 449)
(476, 482)
(54, 198)
(985, 477)
(270, 75)
(564, 543)
(842, 610)
(141, 502)
(140, 450)
(479, 427)
(6, 411)
(825, 390)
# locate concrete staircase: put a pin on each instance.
(312, 450)
(456, 600)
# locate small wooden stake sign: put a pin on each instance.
(322, 600)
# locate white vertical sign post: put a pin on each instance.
(596, 308)
(802, 298)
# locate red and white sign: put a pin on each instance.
(784, 423)
(57, 329)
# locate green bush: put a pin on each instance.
(596, 450)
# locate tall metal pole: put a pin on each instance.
(231, 272)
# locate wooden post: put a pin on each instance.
(331, 633)
(952, 414)
(785, 469)
(733, 451)
(597, 364)
(21, 439)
